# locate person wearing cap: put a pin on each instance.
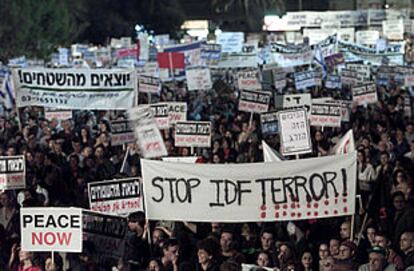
(383, 241)
(346, 256)
(377, 261)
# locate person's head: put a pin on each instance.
(307, 260)
(158, 236)
(371, 231)
(334, 247)
(285, 252)
(266, 239)
(381, 240)
(398, 200)
(328, 264)
(345, 230)
(226, 240)
(154, 265)
(57, 265)
(377, 258)
(136, 222)
(263, 259)
(171, 249)
(323, 251)
(215, 227)
(25, 256)
(384, 158)
(207, 251)
(361, 157)
(407, 242)
(346, 250)
(6, 199)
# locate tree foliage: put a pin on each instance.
(35, 28)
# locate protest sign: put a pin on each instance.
(301, 189)
(149, 84)
(334, 60)
(306, 79)
(241, 60)
(409, 80)
(58, 114)
(279, 78)
(211, 53)
(198, 78)
(177, 111)
(254, 101)
(231, 42)
(249, 80)
(291, 101)
(294, 131)
(363, 71)
(130, 52)
(269, 123)
(393, 29)
(325, 115)
(121, 196)
(107, 233)
(146, 132)
(365, 94)
(333, 82)
(149, 69)
(349, 77)
(367, 37)
(121, 132)
(12, 172)
(75, 88)
(193, 134)
(160, 112)
(51, 229)
(181, 159)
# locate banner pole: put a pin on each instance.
(251, 119)
(352, 227)
(125, 159)
(192, 150)
(53, 257)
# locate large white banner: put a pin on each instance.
(198, 78)
(294, 131)
(121, 196)
(75, 88)
(296, 189)
(51, 229)
(12, 172)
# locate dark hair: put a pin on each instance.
(138, 217)
(210, 245)
(171, 242)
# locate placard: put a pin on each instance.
(193, 134)
(280, 191)
(107, 233)
(198, 78)
(365, 94)
(363, 71)
(291, 101)
(57, 114)
(121, 196)
(51, 229)
(294, 131)
(306, 79)
(393, 29)
(349, 77)
(249, 80)
(149, 84)
(12, 172)
(177, 111)
(333, 82)
(160, 112)
(254, 101)
(367, 37)
(121, 132)
(269, 123)
(325, 115)
(231, 42)
(146, 132)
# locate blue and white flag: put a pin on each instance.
(7, 96)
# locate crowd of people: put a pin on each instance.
(62, 157)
